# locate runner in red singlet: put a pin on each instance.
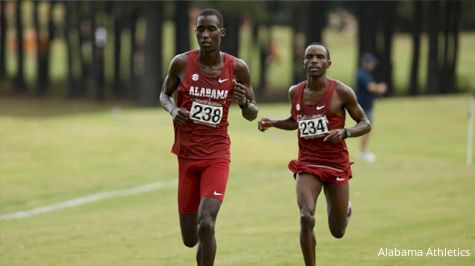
(318, 112)
(205, 83)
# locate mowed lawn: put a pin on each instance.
(418, 195)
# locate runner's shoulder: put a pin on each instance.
(240, 64)
(178, 63)
(343, 90)
(292, 90)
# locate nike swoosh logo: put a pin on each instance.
(339, 179)
(217, 193)
(320, 107)
(222, 80)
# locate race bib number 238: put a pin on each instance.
(206, 114)
(313, 127)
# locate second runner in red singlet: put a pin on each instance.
(326, 160)
(319, 107)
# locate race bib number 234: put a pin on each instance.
(313, 127)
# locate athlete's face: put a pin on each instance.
(208, 33)
(316, 61)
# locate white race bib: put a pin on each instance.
(206, 114)
(313, 127)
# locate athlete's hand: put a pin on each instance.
(239, 94)
(264, 124)
(180, 115)
(335, 135)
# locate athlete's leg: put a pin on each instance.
(212, 188)
(308, 189)
(189, 229)
(337, 208)
(207, 213)
(188, 202)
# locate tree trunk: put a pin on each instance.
(298, 45)
(264, 35)
(230, 42)
(366, 28)
(256, 46)
(83, 28)
(432, 85)
(416, 48)
(134, 15)
(375, 35)
(264, 42)
(3, 40)
(182, 23)
(315, 21)
(98, 36)
(72, 90)
(443, 63)
(38, 33)
(43, 43)
(453, 25)
(151, 81)
(388, 22)
(49, 39)
(367, 23)
(20, 78)
(118, 14)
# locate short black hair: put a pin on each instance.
(323, 45)
(211, 12)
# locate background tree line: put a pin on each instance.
(86, 25)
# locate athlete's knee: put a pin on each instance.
(205, 227)
(188, 226)
(338, 227)
(190, 241)
(338, 232)
(307, 221)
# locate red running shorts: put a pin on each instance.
(198, 179)
(326, 174)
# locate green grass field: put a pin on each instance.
(418, 195)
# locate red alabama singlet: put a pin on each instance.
(205, 134)
(324, 159)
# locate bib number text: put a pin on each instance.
(207, 114)
(313, 127)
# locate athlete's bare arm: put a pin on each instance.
(349, 102)
(243, 93)
(170, 84)
(286, 124)
(348, 97)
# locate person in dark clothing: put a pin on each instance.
(367, 89)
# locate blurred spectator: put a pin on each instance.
(366, 90)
